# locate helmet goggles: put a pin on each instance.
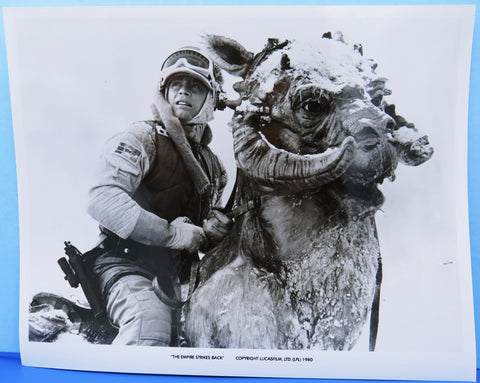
(191, 62)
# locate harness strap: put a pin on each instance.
(253, 204)
(374, 315)
(173, 302)
(232, 212)
(229, 205)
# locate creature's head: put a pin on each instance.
(310, 114)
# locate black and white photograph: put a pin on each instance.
(244, 190)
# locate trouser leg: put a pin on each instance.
(141, 317)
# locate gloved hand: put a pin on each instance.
(217, 225)
(185, 235)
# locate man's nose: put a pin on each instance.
(184, 89)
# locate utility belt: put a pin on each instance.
(171, 268)
(122, 257)
(127, 248)
(99, 268)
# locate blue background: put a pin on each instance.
(10, 369)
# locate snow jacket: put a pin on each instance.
(141, 185)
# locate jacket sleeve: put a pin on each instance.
(124, 163)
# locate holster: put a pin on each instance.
(79, 271)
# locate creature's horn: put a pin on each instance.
(275, 167)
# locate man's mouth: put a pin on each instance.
(183, 103)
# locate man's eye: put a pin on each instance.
(197, 87)
(175, 85)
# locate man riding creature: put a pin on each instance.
(313, 137)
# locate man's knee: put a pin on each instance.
(141, 317)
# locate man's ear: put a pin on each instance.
(228, 54)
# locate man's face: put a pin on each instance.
(186, 95)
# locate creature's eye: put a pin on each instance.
(314, 106)
(312, 103)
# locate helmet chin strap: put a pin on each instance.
(206, 112)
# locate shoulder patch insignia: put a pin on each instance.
(127, 151)
(161, 130)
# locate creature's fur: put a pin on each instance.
(299, 270)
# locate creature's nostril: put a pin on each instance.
(367, 138)
(370, 146)
(366, 131)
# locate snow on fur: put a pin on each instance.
(329, 64)
(298, 271)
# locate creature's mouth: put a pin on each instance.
(374, 160)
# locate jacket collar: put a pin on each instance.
(199, 134)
